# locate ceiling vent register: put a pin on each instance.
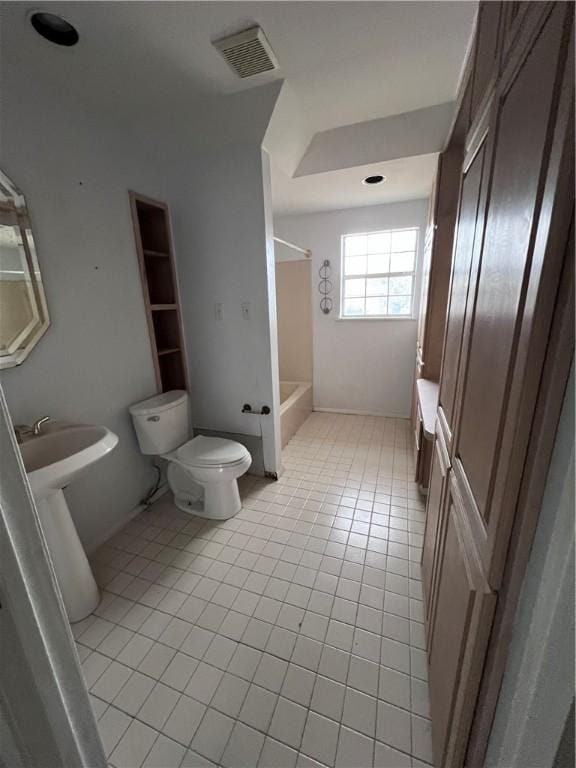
(248, 53)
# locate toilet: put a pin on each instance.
(202, 472)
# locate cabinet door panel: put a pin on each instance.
(461, 626)
(521, 144)
(487, 54)
(467, 227)
(436, 489)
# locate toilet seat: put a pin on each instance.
(208, 452)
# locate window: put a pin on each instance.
(378, 273)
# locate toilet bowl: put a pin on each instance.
(203, 474)
(203, 471)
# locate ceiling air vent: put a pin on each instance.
(248, 53)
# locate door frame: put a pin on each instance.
(36, 623)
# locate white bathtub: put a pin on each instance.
(295, 406)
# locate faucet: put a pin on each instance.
(25, 432)
(37, 426)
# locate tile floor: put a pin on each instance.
(290, 635)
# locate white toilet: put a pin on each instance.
(203, 472)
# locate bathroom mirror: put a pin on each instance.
(23, 310)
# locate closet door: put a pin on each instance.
(515, 214)
(493, 416)
(468, 240)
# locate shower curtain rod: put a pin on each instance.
(306, 251)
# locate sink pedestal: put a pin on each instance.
(75, 579)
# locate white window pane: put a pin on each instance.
(400, 286)
(402, 262)
(378, 263)
(404, 240)
(355, 265)
(354, 245)
(354, 287)
(379, 242)
(377, 286)
(353, 307)
(376, 306)
(399, 305)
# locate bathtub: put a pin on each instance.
(295, 407)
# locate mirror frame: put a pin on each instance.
(13, 201)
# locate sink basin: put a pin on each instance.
(55, 459)
(51, 462)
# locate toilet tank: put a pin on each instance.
(161, 422)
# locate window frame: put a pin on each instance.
(414, 274)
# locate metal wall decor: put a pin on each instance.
(325, 287)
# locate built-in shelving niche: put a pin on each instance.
(155, 256)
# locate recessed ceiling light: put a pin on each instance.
(370, 181)
(54, 28)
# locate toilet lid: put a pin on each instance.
(211, 451)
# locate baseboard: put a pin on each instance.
(351, 412)
(122, 521)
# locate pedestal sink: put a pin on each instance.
(52, 461)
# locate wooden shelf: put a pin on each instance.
(154, 246)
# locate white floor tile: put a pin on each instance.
(158, 706)
(164, 754)
(360, 712)
(277, 755)
(328, 698)
(244, 747)
(298, 685)
(112, 726)
(204, 682)
(134, 693)
(258, 708)
(288, 723)
(271, 673)
(320, 740)
(393, 727)
(212, 735)
(354, 749)
(184, 720)
(303, 610)
(134, 746)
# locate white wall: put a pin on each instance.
(75, 164)
(219, 195)
(364, 366)
(94, 361)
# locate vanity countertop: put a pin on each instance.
(428, 400)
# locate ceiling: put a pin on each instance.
(409, 178)
(346, 63)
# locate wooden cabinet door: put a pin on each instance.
(430, 550)
(437, 278)
(458, 632)
(498, 388)
(468, 240)
(511, 245)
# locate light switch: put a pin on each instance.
(246, 310)
(218, 312)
